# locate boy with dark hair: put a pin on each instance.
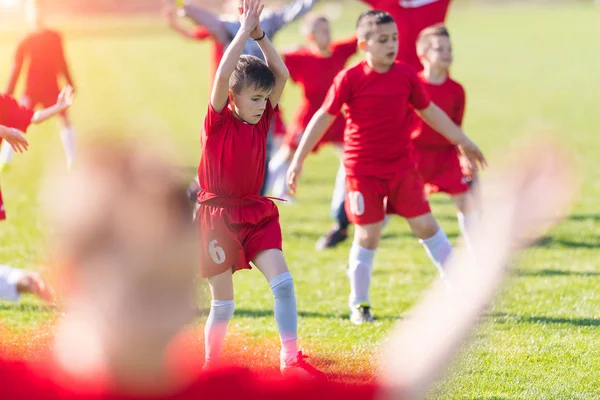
(378, 96)
(236, 225)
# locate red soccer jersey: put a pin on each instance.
(47, 62)
(314, 74)
(14, 115)
(450, 97)
(232, 163)
(202, 33)
(378, 108)
(412, 16)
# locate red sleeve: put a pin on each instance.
(14, 115)
(214, 120)
(293, 62)
(346, 48)
(338, 94)
(372, 3)
(459, 111)
(419, 98)
(201, 33)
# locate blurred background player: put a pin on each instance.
(16, 118)
(328, 58)
(378, 96)
(224, 28)
(43, 49)
(236, 226)
(411, 16)
(438, 160)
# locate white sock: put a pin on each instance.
(67, 136)
(221, 312)
(465, 222)
(6, 153)
(278, 167)
(438, 248)
(360, 271)
(286, 315)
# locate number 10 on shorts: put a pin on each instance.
(357, 203)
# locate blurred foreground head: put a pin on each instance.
(122, 230)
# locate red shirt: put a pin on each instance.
(232, 162)
(450, 97)
(412, 16)
(202, 33)
(314, 74)
(378, 108)
(14, 115)
(44, 49)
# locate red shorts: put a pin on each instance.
(369, 198)
(2, 210)
(441, 170)
(334, 135)
(230, 237)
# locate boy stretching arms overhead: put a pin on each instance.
(378, 96)
(235, 224)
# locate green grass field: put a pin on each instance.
(527, 70)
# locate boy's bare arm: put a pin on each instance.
(276, 65)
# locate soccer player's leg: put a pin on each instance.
(364, 206)
(67, 137)
(221, 254)
(407, 199)
(271, 262)
(339, 232)
(221, 312)
(447, 176)
(278, 166)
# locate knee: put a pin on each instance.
(426, 228)
(282, 286)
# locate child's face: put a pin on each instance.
(321, 34)
(382, 44)
(439, 53)
(250, 103)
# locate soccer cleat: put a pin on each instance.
(332, 239)
(361, 314)
(300, 368)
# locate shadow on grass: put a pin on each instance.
(556, 272)
(552, 242)
(532, 319)
(584, 217)
(27, 307)
(244, 312)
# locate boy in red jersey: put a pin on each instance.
(313, 68)
(438, 160)
(378, 96)
(235, 224)
(412, 16)
(16, 118)
(43, 48)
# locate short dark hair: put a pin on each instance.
(369, 20)
(251, 71)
